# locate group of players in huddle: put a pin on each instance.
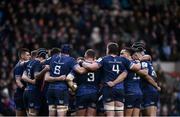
(119, 84)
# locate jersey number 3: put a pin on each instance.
(90, 77)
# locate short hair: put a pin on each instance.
(33, 53)
(90, 53)
(41, 52)
(54, 51)
(22, 51)
(66, 48)
(113, 48)
(138, 47)
(129, 50)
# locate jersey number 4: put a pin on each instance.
(115, 68)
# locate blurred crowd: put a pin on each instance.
(89, 24)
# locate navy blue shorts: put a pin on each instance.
(150, 100)
(112, 94)
(86, 101)
(18, 100)
(32, 99)
(57, 97)
(133, 101)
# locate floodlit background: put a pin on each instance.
(92, 24)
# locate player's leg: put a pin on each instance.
(91, 110)
(62, 101)
(150, 104)
(62, 110)
(34, 102)
(109, 108)
(51, 102)
(81, 104)
(136, 112)
(33, 112)
(137, 106)
(52, 110)
(119, 108)
(119, 101)
(128, 112)
(151, 111)
(108, 101)
(20, 109)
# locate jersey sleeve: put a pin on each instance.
(144, 65)
(100, 61)
(38, 67)
(73, 63)
(18, 71)
(127, 63)
(47, 61)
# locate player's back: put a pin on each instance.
(88, 82)
(30, 70)
(145, 85)
(112, 67)
(132, 83)
(60, 65)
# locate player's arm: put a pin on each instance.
(70, 77)
(91, 66)
(144, 74)
(146, 58)
(119, 79)
(18, 82)
(39, 75)
(79, 69)
(49, 78)
(18, 76)
(26, 79)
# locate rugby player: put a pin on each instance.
(23, 55)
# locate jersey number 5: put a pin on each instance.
(57, 69)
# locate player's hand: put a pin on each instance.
(33, 81)
(110, 84)
(47, 67)
(62, 77)
(159, 88)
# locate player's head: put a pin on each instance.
(41, 53)
(54, 51)
(90, 53)
(24, 54)
(138, 47)
(33, 54)
(65, 49)
(126, 52)
(112, 48)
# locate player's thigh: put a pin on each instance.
(19, 104)
(119, 108)
(128, 112)
(150, 102)
(151, 111)
(81, 102)
(61, 97)
(62, 110)
(50, 97)
(136, 112)
(109, 108)
(91, 111)
(33, 112)
(52, 110)
(34, 100)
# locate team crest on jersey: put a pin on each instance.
(61, 101)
